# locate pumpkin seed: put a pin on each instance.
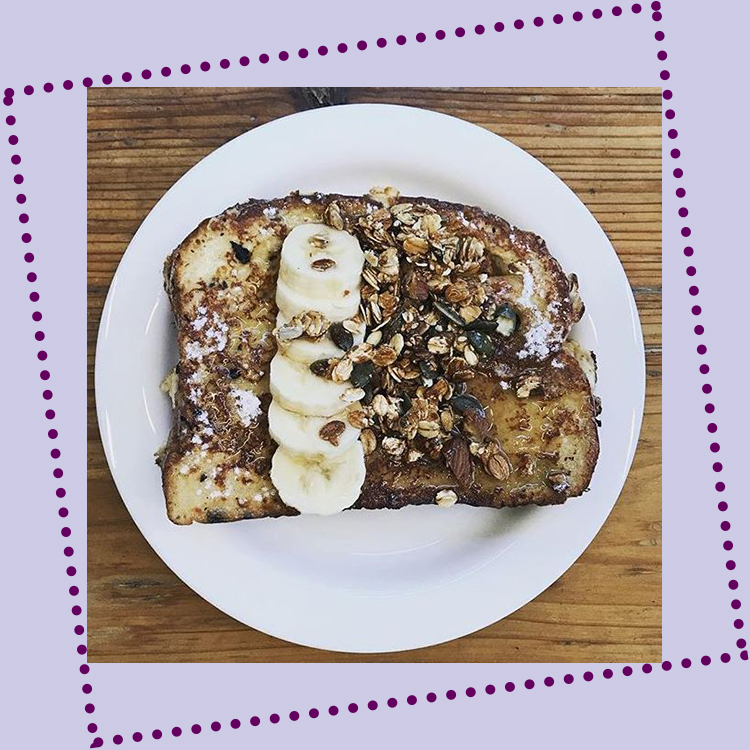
(362, 374)
(343, 339)
(481, 343)
(466, 403)
(428, 373)
(506, 321)
(448, 312)
(485, 326)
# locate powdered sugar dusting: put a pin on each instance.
(247, 405)
(541, 331)
(218, 332)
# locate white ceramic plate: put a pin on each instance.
(366, 581)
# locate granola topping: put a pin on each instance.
(433, 322)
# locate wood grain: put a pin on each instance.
(606, 145)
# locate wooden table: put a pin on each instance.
(606, 144)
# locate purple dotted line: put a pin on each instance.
(47, 395)
(412, 700)
(693, 290)
(342, 48)
(372, 705)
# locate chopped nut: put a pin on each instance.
(446, 498)
(441, 389)
(380, 405)
(457, 293)
(415, 246)
(332, 431)
(353, 394)
(446, 420)
(358, 418)
(438, 345)
(333, 216)
(496, 463)
(458, 369)
(528, 384)
(458, 459)
(371, 257)
(417, 288)
(290, 330)
(414, 455)
(388, 263)
(470, 313)
(475, 448)
(314, 324)
(386, 196)
(471, 357)
(393, 446)
(403, 213)
(342, 370)
(369, 441)
(428, 429)
(360, 353)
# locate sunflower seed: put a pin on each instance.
(323, 264)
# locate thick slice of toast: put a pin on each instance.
(496, 420)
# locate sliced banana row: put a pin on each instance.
(319, 466)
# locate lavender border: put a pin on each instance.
(431, 697)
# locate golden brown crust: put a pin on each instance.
(215, 465)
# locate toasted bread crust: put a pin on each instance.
(223, 476)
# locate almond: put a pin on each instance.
(458, 458)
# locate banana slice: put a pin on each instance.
(314, 486)
(305, 350)
(336, 308)
(299, 390)
(302, 435)
(321, 262)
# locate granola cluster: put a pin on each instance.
(430, 327)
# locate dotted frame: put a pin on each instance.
(696, 310)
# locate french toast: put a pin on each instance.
(458, 380)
